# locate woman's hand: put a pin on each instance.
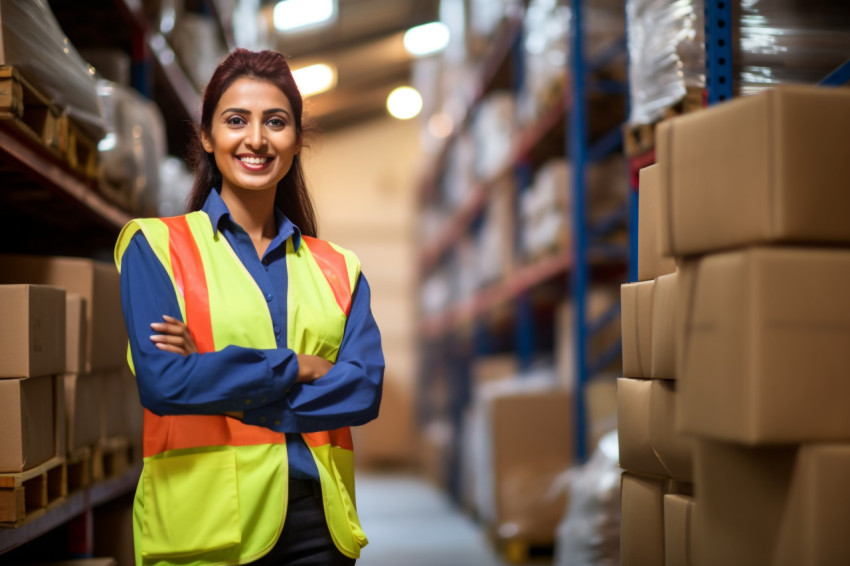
(173, 336)
(311, 368)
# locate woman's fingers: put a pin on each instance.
(168, 339)
(173, 336)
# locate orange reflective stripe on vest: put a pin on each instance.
(340, 438)
(332, 264)
(175, 432)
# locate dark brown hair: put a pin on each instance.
(292, 197)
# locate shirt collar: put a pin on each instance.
(217, 211)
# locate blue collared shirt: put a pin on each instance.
(262, 383)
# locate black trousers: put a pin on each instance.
(305, 540)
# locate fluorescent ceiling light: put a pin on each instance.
(404, 103)
(426, 39)
(314, 79)
(290, 15)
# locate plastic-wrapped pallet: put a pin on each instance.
(133, 148)
(589, 534)
(32, 41)
(787, 41)
(776, 42)
(666, 54)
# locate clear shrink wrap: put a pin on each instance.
(32, 41)
(788, 41)
(666, 55)
(774, 42)
(589, 534)
(133, 147)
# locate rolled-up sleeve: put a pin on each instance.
(350, 393)
(231, 379)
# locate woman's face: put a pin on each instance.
(253, 137)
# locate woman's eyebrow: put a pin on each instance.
(244, 111)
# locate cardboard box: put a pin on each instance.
(766, 346)
(651, 263)
(75, 333)
(678, 510)
(641, 520)
(664, 297)
(636, 305)
(779, 506)
(27, 419)
(600, 401)
(814, 528)
(672, 448)
(522, 442)
(83, 402)
(98, 283)
(32, 330)
(763, 168)
(633, 426)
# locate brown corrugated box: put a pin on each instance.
(779, 506)
(641, 520)
(678, 510)
(664, 296)
(673, 449)
(32, 330)
(765, 345)
(75, 333)
(636, 316)
(532, 444)
(97, 282)
(28, 421)
(633, 426)
(651, 263)
(771, 167)
(83, 402)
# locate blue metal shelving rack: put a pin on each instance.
(585, 244)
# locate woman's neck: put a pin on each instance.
(254, 212)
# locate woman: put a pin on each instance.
(264, 349)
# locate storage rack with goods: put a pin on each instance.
(518, 303)
(55, 203)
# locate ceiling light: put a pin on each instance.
(426, 39)
(404, 103)
(314, 79)
(290, 15)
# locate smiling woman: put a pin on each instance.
(264, 351)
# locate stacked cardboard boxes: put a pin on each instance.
(101, 411)
(657, 459)
(753, 204)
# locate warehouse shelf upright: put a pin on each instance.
(515, 313)
(585, 244)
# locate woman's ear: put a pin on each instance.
(205, 141)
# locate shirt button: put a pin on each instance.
(277, 423)
(269, 297)
(247, 401)
(264, 399)
(262, 420)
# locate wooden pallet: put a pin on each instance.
(32, 113)
(79, 469)
(111, 457)
(28, 111)
(517, 551)
(27, 495)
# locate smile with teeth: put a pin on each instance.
(251, 160)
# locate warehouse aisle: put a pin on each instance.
(409, 522)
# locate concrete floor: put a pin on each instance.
(409, 522)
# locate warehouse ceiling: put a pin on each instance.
(365, 45)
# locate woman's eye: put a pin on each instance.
(235, 121)
(276, 122)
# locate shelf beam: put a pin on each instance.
(74, 505)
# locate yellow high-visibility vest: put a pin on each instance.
(213, 489)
